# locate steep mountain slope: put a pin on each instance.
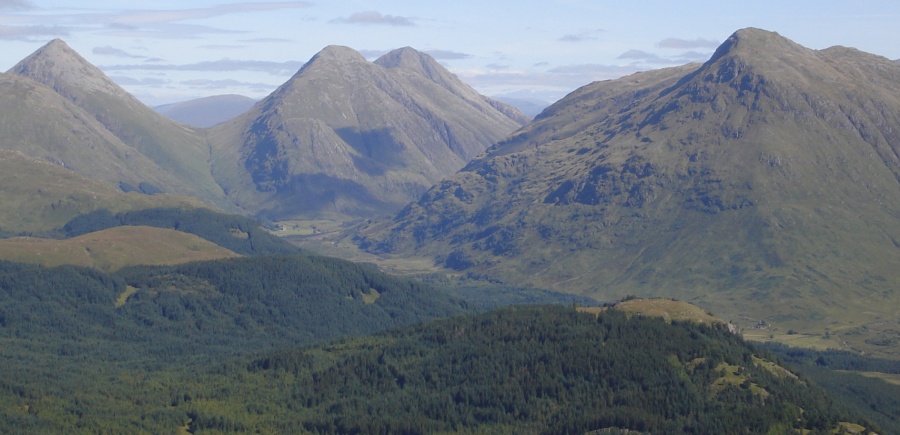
(208, 111)
(763, 184)
(352, 137)
(38, 122)
(180, 151)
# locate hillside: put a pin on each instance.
(180, 153)
(40, 123)
(347, 137)
(516, 370)
(39, 196)
(761, 185)
(113, 249)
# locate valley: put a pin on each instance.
(375, 247)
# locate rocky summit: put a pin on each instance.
(351, 137)
(763, 184)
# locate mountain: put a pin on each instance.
(763, 185)
(40, 123)
(354, 138)
(181, 152)
(208, 111)
(529, 106)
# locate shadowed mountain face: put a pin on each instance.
(764, 183)
(350, 137)
(182, 153)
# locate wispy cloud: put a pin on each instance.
(144, 16)
(643, 56)
(594, 70)
(30, 33)
(374, 18)
(686, 44)
(130, 81)
(115, 52)
(143, 23)
(223, 84)
(265, 40)
(584, 35)
(447, 54)
(16, 4)
(275, 68)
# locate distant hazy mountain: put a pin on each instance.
(208, 111)
(350, 137)
(764, 184)
(530, 107)
(182, 153)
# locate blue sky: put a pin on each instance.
(167, 51)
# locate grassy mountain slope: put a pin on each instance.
(345, 136)
(180, 151)
(113, 249)
(762, 185)
(39, 196)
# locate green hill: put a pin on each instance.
(237, 233)
(39, 196)
(114, 248)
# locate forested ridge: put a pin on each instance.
(229, 346)
(538, 369)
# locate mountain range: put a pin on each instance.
(763, 184)
(351, 137)
(378, 135)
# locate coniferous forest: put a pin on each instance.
(187, 351)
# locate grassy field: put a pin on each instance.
(112, 249)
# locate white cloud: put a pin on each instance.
(16, 4)
(643, 56)
(31, 33)
(375, 18)
(685, 44)
(584, 35)
(112, 51)
(275, 68)
(447, 54)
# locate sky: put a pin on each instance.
(169, 51)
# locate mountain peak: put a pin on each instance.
(410, 59)
(338, 53)
(752, 42)
(60, 67)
